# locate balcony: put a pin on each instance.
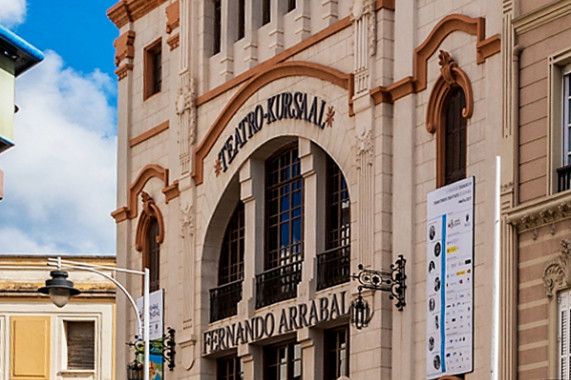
(333, 267)
(224, 300)
(564, 178)
(277, 284)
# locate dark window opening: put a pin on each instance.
(266, 12)
(153, 69)
(153, 252)
(217, 27)
(283, 362)
(291, 5)
(336, 353)
(241, 19)
(455, 138)
(229, 368)
(224, 299)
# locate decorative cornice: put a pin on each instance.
(123, 70)
(149, 134)
(126, 11)
(282, 70)
(124, 47)
(174, 41)
(541, 16)
(150, 171)
(557, 272)
(485, 48)
(541, 213)
(172, 11)
(385, 4)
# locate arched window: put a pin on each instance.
(224, 299)
(333, 265)
(152, 254)
(454, 137)
(150, 235)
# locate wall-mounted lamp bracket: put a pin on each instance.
(393, 281)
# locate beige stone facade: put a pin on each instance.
(374, 86)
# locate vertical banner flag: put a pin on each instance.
(156, 310)
(450, 279)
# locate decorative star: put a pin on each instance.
(329, 117)
(218, 167)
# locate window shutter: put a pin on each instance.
(80, 345)
(563, 335)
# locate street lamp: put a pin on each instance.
(60, 289)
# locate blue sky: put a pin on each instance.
(60, 177)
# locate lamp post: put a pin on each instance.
(60, 289)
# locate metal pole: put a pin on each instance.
(146, 314)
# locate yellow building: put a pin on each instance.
(43, 342)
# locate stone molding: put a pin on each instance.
(174, 41)
(124, 47)
(279, 71)
(485, 48)
(557, 272)
(149, 134)
(541, 213)
(172, 12)
(541, 16)
(150, 211)
(450, 76)
(126, 11)
(150, 171)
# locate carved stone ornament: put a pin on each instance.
(186, 221)
(557, 272)
(366, 147)
(150, 210)
(451, 76)
(548, 214)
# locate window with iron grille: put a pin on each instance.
(153, 254)
(284, 205)
(229, 368)
(153, 69)
(455, 137)
(80, 340)
(339, 208)
(564, 171)
(283, 361)
(336, 353)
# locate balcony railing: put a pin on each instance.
(224, 300)
(333, 267)
(564, 178)
(277, 284)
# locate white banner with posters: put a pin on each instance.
(450, 279)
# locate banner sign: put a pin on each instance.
(156, 316)
(450, 279)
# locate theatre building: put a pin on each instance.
(267, 148)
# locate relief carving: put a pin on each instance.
(186, 110)
(557, 272)
(548, 214)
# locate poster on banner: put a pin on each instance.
(450, 279)
(156, 311)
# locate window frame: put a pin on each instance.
(564, 307)
(328, 336)
(291, 359)
(237, 373)
(236, 226)
(153, 72)
(445, 137)
(152, 254)
(217, 26)
(66, 329)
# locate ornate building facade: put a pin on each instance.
(268, 147)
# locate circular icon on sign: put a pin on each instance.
(430, 343)
(431, 232)
(437, 362)
(436, 323)
(437, 284)
(431, 266)
(431, 304)
(437, 249)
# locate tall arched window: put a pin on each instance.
(455, 137)
(224, 299)
(152, 254)
(284, 228)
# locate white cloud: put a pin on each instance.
(60, 181)
(12, 12)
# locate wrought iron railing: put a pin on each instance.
(333, 267)
(277, 284)
(224, 300)
(564, 178)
